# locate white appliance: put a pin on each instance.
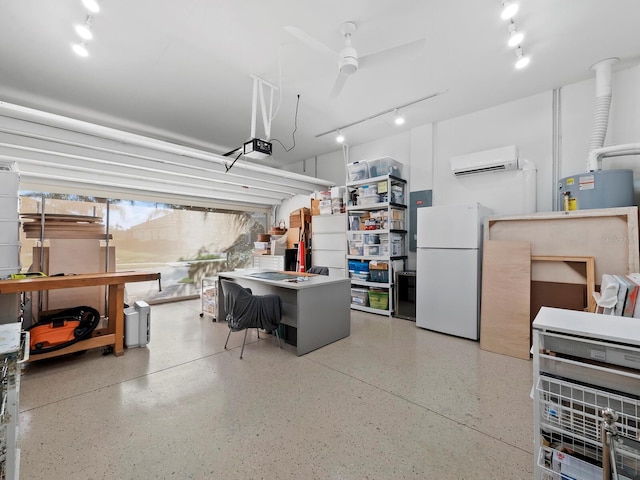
(449, 268)
(497, 159)
(137, 325)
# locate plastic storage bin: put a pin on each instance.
(397, 194)
(384, 166)
(371, 239)
(359, 269)
(368, 190)
(359, 296)
(381, 276)
(358, 170)
(356, 247)
(379, 299)
(372, 249)
(359, 266)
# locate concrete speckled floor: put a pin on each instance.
(391, 401)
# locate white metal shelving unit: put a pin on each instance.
(386, 239)
(584, 363)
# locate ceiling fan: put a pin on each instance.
(347, 59)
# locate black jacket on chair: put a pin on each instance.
(245, 310)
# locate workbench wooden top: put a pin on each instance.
(71, 281)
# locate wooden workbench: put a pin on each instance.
(113, 335)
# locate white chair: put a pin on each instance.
(607, 298)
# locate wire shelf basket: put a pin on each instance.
(571, 421)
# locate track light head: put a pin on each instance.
(84, 29)
(91, 5)
(398, 119)
(515, 37)
(522, 60)
(509, 9)
(80, 49)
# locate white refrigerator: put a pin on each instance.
(448, 276)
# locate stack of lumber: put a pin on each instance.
(62, 226)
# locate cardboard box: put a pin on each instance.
(315, 207)
(293, 237)
(299, 217)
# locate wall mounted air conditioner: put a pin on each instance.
(495, 160)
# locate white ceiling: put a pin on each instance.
(180, 70)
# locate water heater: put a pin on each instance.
(598, 189)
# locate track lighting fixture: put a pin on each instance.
(398, 119)
(84, 29)
(522, 60)
(91, 5)
(509, 9)
(80, 49)
(515, 37)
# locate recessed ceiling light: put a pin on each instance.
(80, 49)
(91, 5)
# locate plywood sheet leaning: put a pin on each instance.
(506, 298)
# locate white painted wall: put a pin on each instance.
(525, 123)
(421, 158)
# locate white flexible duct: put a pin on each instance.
(603, 104)
(596, 156)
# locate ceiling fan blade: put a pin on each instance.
(399, 52)
(337, 86)
(304, 37)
